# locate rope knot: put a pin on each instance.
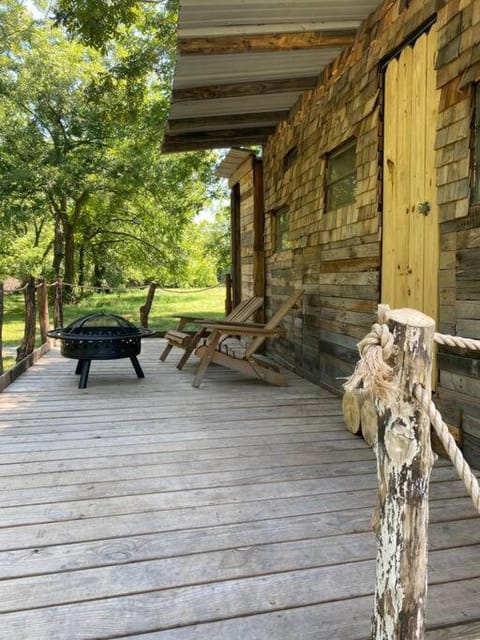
(372, 373)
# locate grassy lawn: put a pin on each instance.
(208, 303)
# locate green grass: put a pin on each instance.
(208, 303)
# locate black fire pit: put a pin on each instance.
(100, 336)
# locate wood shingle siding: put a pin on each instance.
(336, 255)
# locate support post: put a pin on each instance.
(28, 344)
(228, 294)
(404, 463)
(43, 318)
(58, 305)
(258, 237)
(145, 309)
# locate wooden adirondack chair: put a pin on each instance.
(221, 348)
(180, 338)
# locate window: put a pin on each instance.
(290, 158)
(341, 176)
(281, 233)
(476, 148)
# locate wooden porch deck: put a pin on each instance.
(148, 509)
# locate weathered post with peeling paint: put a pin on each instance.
(404, 463)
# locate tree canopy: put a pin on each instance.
(85, 192)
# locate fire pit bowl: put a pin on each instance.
(100, 336)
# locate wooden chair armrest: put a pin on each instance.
(195, 319)
(245, 330)
(227, 324)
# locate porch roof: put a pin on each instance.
(242, 66)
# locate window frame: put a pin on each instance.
(281, 229)
(333, 155)
(290, 158)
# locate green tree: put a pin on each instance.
(80, 137)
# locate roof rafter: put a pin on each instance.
(216, 139)
(236, 90)
(232, 121)
(265, 42)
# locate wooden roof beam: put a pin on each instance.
(265, 42)
(231, 121)
(216, 139)
(239, 89)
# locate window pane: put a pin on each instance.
(341, 163)
(282, 236)
(341, 176)
(341, 193)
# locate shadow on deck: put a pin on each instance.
(148, 509)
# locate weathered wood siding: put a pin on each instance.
(458, 67)
(243, 176)
(336, 255)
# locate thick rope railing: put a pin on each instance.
(448, 441)
(375, 376)
(457, 341)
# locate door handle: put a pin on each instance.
(424, 208)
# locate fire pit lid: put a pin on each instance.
(100, 324)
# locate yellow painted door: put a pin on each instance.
(410, 238)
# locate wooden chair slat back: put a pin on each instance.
(245, 309)
(274, 321)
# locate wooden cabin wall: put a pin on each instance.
(336, 256)
(458, 66)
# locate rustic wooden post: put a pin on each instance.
(145, 309)
(43, 319)
(258, 237)
(58, 305)
(228, 294)
(1, 328)
(28, 344)
(404, 463)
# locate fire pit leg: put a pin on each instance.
(83, 368)
(78, 368)
(137, 367)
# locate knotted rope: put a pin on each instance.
(375, 376)
(372, 372)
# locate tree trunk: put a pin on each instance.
(44, 321)
(69, 244)
(145, 309)
(28, 344)
(57, 249)
(404, 463)
(58, 305)
(81, 265)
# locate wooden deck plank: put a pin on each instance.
(148, 509)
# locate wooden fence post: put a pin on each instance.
(28, 344)
(1, 328)
(58, 305)
(228, 294)
(43, 318)
(404, 463)
(145, 309)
